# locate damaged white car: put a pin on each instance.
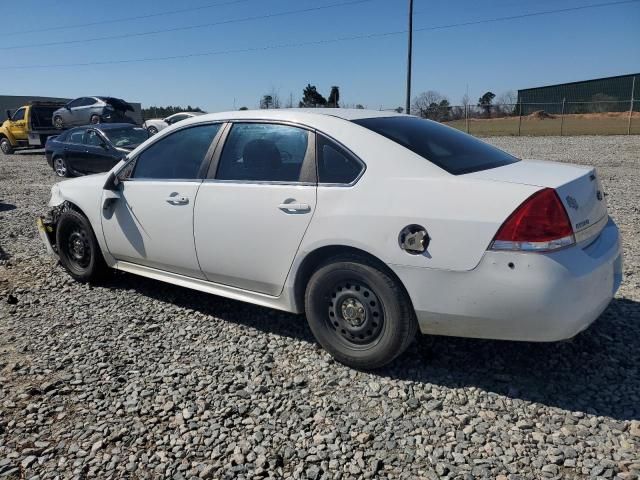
(373, 224)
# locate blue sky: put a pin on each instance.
(498, 56)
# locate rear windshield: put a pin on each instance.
(450, 149)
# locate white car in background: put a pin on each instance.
(154, 125)
(374, 224)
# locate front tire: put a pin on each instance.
(60, 167)
(78, 248)
(359, 313)
(6, 147)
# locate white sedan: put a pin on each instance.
(373, 224)
(154, 125)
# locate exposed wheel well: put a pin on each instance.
(316, 258)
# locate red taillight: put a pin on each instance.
(540, 223)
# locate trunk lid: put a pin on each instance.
(577, 186)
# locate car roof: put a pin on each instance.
(106, 126)
(303, 115)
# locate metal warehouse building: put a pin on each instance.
(616, 92)
(13, 102)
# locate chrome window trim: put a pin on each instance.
(259, 182)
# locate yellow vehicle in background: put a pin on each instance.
(28, 127)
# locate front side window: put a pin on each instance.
(77, 136)
(450, 149)
(176, 156)
(93, 138)
(263, 152)
(19, 115)
(335, 164)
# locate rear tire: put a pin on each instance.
(78, 248)
(359, 313)
(6, 147)
(94, 120)
(58, 123)
(60, 167)
(152, 131)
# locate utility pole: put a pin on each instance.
(410, 47)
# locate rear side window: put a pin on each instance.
(176, 156)
(335, 164)
(452, 150)
(263, 152)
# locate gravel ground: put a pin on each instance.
(139, 379)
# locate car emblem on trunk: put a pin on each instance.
(599, 195)
(571, 202)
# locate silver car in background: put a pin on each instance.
(154, 125)
(92, 110)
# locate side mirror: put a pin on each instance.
(104, 146)
(67, 107)
(112, 182)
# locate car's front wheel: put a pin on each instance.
(78, 248)
(359, 313)
(6, 147)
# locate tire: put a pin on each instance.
(60, 167)
(152, 130)
(58, 123)
(5, 146)
(78, 248)
(359, 313)
(94, 120)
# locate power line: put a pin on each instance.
(311, 42)
(126, 19)
(189, 27)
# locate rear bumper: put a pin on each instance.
(541, 297)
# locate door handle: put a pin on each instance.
(294, 207)
(177, 199)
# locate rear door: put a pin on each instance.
(252, 211)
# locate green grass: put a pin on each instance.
(592, 124)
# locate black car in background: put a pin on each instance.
(92, 149)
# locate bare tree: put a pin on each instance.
(289, 103)
(506, 102)
(431, 104)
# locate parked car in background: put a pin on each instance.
(92, 110)
(154, 125)
(92, 149)
(28, 127)
(373, 223)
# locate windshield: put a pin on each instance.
(126, 137)
(450, 149)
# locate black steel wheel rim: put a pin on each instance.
(355, 314)
(79, 248)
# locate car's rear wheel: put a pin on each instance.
(58, 123)
(359, 313)
(95, 119)
(60, 167)
(6, 147)
(152, 130)
(78, 248)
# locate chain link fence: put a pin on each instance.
(607, 117)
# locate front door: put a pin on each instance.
(18, 125)
(251, 215)
(99, 155)
(151, 223)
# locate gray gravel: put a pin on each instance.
(139, 379)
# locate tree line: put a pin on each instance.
(435, 106)
(163, 112)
